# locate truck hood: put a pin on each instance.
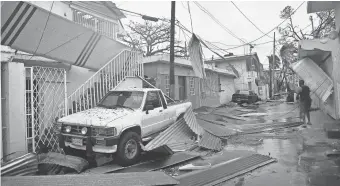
(97, 116)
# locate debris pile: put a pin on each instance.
(59, 161)
(21, 166)
(183, 131)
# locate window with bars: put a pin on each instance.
(167, 85)
(192, 86)
(98, 25)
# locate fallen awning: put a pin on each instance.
(34, 30)
(317, 80)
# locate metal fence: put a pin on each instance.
(126, 63)
(45, 90)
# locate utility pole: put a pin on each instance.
(172, 50)
(311, 19)
(271, 71)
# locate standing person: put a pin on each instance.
(305, 101)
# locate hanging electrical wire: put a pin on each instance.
(217, 21)
(255, 44)
(270, 30)
(42, 35)
(249, 19)
(179, 24)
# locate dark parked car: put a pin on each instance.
(245, 96)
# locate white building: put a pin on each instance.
(77, 59)
(249, 68)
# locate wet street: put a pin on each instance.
(300, 152)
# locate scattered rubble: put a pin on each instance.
(73, 162)
(21, 166)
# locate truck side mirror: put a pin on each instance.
(148, 107)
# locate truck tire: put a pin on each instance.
(129, 149)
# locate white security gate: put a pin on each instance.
(45, 90)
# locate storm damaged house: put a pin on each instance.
(216, 89)
(319, 63)
(57, 58)
(250, 72)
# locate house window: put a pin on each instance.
(192, 86)
(98, 25)
(167, 85)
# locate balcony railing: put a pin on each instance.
(99, 25)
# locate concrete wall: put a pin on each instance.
(2, 142)
(159, 71)
(58, 8)
(130, 83)
(64, 10)
(13, 109)
(76, 76)
(331, 66)
(227, 89)
(337, 14)
(336, 59)
(241, 83)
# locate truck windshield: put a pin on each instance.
(125, 99)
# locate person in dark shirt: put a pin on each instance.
(305, 101)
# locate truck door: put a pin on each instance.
(152, 118)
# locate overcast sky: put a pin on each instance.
(264, 14)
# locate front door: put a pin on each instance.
(182, 88)
(152, 118)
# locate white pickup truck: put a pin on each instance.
(119, 122)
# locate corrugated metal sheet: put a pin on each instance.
(177, 131)
(102, 169)
(191, 121)
(74, 162)
(317, 80)
(158, 164)
(196, 56)
(121, 179)
(210, 141)
(21, 166)
(214, 128)
(224, 171)
(183, 145)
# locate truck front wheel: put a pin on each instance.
(129, 149)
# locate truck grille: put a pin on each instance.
(76, 130)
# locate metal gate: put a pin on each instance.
(45, 99)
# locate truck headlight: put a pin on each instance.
(84, 130)
(111, 131)
(68, 129)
